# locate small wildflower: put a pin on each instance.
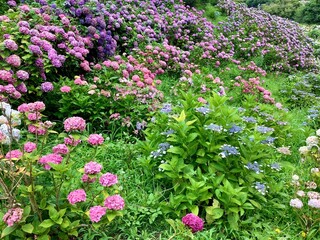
(254, 167)
(203, 110)
(261, 187)
(284, 150)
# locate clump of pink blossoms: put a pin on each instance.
(13, 216)
(96, 213)
(114, 202)
(74, 123)
(108, 179)
(14, 154)
(193, 221)
(50, 158)
(92, 168)
(95, 139)
(76, 196)
(29, 147)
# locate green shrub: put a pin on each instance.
(210, 158)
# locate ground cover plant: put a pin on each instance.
(156, 120)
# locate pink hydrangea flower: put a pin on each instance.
(13, 216)
(92, 168)
(29, 147)
(23, 75)
(10, 44)
(96, 213)
(114, 202)
(34, 116)
(95, 139)
(315, 203)
(14, 154)
(23, 108)
(36, 106)
(50, 158)
(14, 60)
(193, 221)
(60, 149)
(39, 130)
(87, 179)
(296, 203)
(76, 196)
(108, 179)
(65, 89)
(71, 141)
(74, 123)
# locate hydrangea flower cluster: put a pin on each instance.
(14, 215)
(76, 196)
(194, 222)
(74, 124)
(8, 121)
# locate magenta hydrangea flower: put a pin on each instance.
(60, 149)
(92, 168)
(193, 221)
(5, 75)
(87, 179)
(14, 60)
(23, 75)
(38, 130)
(23, 108)
(10, 44)
(13, 216)
(71, 141)
(108, 179)
(36, 106)
(74, 123)
(50, 158)
(76, 196)
(46, 87)
(29, 147)
(96, 213)
(65, 89)
(95, 139)
(14, 154)
(114, 202)
(34, 116)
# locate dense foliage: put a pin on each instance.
(156, 120)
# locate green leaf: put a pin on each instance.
(182, 117)
(111, 215)
(233, 219)
(194, 209)
(28, 228)
(8, 230)
(176, 150)
(192, 137)
(43, 237)
(47, 223)
(215, 213)
(256, 204)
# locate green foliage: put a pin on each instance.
(203, 160)
(309, 13)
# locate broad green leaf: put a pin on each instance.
(176, 150)
(215, 213)
(47, 223)
(28, 228)
(43, 237)
(8, 230)
(194, 209)
(181, 118)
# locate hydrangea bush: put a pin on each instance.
(43, 195)
(215, 158)
(306, 199)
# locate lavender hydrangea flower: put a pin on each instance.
(47, 87)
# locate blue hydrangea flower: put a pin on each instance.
(214, 127)
(275, 166)
(235, 129)
(164, 146)
(203, 110)
(249, 119)
(254, 167)
(228, 150)
(167, 108)
(264, 129)
(168, 132)
(261, 187)
(269, 140)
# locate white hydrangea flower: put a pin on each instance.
(303, 150)
(312, 140)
